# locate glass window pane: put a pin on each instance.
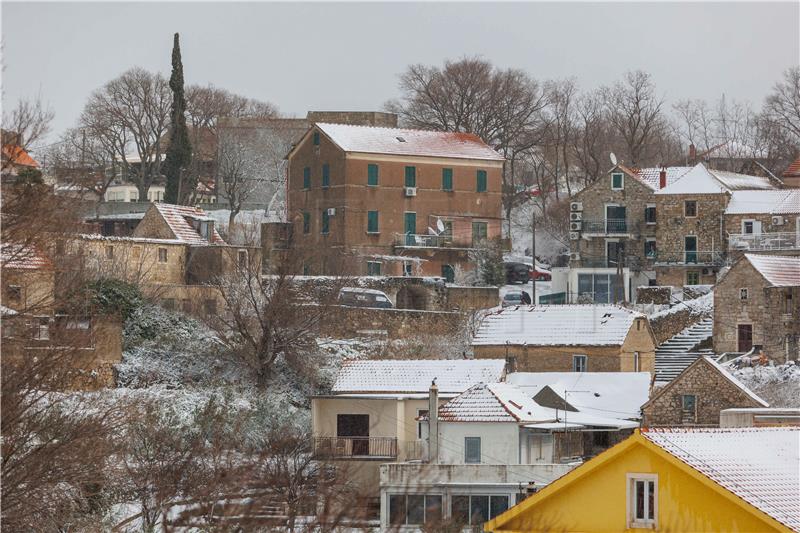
(472, 449)
(397, 509)
(415, 509)
(651, 504)
(601, 289)
(499, 505)
(433, 508)
(585, 284)
(479, 511)
(459, 509)
(639, 489)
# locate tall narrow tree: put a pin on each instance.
(179, 153)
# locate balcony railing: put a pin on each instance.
(419, 240)
(764, 241)
(690, 258)
(355, 447)
(609, 226)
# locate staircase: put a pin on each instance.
(678, 352)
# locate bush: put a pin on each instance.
(112, 296)
(488, 256)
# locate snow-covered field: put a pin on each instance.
(778, 385)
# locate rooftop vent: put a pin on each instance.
(402, 140)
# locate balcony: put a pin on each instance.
(761, 242)
(404, 475)
(355, 447)
(418, 240)
(608, 226)
(690, 258)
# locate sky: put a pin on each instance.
(347, 56)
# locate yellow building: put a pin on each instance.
(676, 480)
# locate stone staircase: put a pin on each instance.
(681, 350)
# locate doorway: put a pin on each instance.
(356, 429)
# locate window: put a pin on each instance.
(636, 362)
(476, 509)
(447, 179)
(472, 450)
(162, 255)
(449, 273)
(210, 307)
(42, 332)
(137, 252)
(743, 294)
(242, 258)
(692, 277)
(481, 178)
(479, 232)
(186, 305)
(642, 501)
(579, 363)
(690, 208)
(747, 226)
(307, 178)
(411, 177)
(617, 181)
(688, 409)
(414, 509)
(373, 268)
(372, 175)
(650, 214)
(316, 138)
(14, 293)
(650, 248)
(372, 222)
(109, 253)
(599, 288)
(787, 301)
(168, 303)
(326, 220)
(744, 335)
(422, 427)
(326, 175)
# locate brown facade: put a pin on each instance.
(695, 398)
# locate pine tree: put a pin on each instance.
(178, 157)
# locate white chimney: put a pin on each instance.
(433, 423)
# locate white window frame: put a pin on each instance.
(422, 427)
(744, 294)
(480, 450)
(649, 206)
(636, 361)
(630, 501)
(622, 183)
(580, 357)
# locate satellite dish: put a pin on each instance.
(613, 158)
(439, 225)
(432, 231)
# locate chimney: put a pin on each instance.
(433, 423)
(692, 153)
(662, 178)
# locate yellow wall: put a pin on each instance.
(596, 502)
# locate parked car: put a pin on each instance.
(540, 275)
(516, 298)
(358, 297)
(517, 273)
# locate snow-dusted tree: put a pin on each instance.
(238, 179)
(24, 126)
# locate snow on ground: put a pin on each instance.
(778, 385)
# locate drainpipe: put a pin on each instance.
(433, 423)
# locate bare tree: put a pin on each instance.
(592, 139)
(85, 157)
(24, 126)
(239, 181)
(782, 106)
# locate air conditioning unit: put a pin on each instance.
(576, 215)
(574, 235)
(576, 206)
(778, 221)
(574, 256)
(331, 211)
(574, 226)
(411, 191)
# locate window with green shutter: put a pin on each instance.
(326, 175)
(316, 138)
(372, 174)
(481, 181)
(306, 222)
(373, 268)
(372, 222)
(326, 219)
(307, 178)
(617, 181)
(447, 179)
(411, 176)
(479, 232)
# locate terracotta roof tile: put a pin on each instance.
(23, 257)
(178, 217)
(18, 156)
(778, 270)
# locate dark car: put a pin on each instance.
(517, 273)
(358, 297)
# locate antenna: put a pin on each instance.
(613, 158)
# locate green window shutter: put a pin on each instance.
(447, 179)
(326, 175)
(372, 222)
(411, 176)
(306, 222)
(481, 181)
(616, 180)
(307, 178)
(372, 174)
(316, 138)
(326, 219)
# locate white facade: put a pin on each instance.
(499, 442)
(129, 193)
(566, 280)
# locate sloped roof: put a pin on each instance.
(651, 176)
(18, 156)
(702, 180)
(375, 140)
(23, 257)
(793, 169)
(556, 325)
(777, 202)
(176, 217)
(738, 384)
(778, 270)
(452, 376)
(760, 465)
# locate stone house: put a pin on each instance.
(691, 236)
(28, 279)
(763, 222)
(567, 338)
(696, 397)
(377, 201)
(613, 234)
(757, 306)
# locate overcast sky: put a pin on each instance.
(333, 56)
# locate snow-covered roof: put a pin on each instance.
(23, 257)
(415, 376)
(118, 216)
(612, 394)
(702, 180)
(115, 238)
(651, 176)
(778, 270)
(760, 465)
(397, 141)
(177, 218)
(556, 325)
(738, 384)
(777, 202)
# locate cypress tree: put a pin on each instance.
(179, 152)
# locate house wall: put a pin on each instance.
(35, 289)
(153, 226)
(134, 260)
(499, 441)
(713, 391)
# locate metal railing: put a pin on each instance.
(690, 257)
(631, 261)
(609, 226)
(341, 447)
(420, 240)
(764, 241)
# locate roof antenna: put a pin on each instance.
(613, 158)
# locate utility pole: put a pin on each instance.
(533, 253)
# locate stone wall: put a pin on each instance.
(713, 392)
(396, 323)
(668, 325)
(559, 358)
(654, 295)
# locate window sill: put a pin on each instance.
(373, 233)
(651, 525)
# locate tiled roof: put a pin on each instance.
(452, 376)
(374, 140)
(651, 176)
(778, 202)
(702, 180)
(759, 465)
(556, 325)
(176, 217)
(481, 404)
(23, 257)
(793, 169)
(778, 270)
(18, 156)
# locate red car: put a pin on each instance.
(539, 275)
